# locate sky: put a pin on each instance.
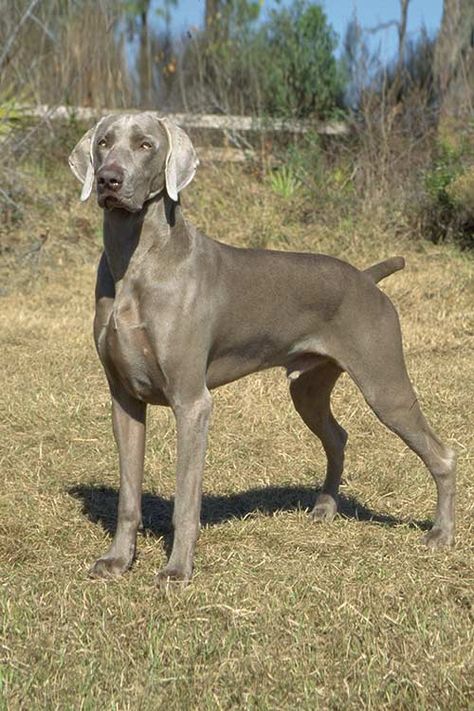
(189, 13)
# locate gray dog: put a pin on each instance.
(178, 314)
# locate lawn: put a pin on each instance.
(281, 613)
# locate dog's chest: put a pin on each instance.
(126, 351)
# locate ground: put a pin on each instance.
(282, 613)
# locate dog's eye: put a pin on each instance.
(146, 145)
(102, 143)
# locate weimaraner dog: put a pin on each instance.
(178, 314)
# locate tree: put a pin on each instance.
(299, 73)
(211, 18)
(454, 59)
(223, 15)
(144, 55)
(154, 55)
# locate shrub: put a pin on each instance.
(284, 182)
(449, 187)
(300, 75)
(446, 167)
(284, 67)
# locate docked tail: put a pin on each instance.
(384, 269)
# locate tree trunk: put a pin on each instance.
(402, 33)
(212, 17)
(454, 59)
(216, 20)
(144, 59)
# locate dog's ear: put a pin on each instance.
(181, 159)
(80, 162)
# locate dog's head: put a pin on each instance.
(132, 158)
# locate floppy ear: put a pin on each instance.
(80, 162)
(181, 159)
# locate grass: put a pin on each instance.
(284, 182)
(281, 613)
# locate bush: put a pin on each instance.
(449, 188)
(285, 67)
(446, 167)
(300, 76)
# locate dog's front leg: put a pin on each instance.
(128, 418)
(192, 424)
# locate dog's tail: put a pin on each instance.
(383, 269)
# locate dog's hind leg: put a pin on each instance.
(311, 393)
(376, 363)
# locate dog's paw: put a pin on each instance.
(437, 538)
(325, 508)
(109, 568)
(171, 576)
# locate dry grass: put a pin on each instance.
(281, 613)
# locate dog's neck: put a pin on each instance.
(129, 236)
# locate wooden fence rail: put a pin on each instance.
(235, 129)
(198, 121)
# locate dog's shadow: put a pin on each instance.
(99, 504)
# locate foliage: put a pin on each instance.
(300, 75)
(134, 9)
(306, 157)
(70, 53)
(284, 182)
(235, 15)
(461, 192)
(283, 67)
(449, 187)
(445, 168)
(10, 115)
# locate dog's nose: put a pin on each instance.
(110, 178)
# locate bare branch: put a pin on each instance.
(382, 26)
(402, 31)
(13, 36)
(47, 32)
